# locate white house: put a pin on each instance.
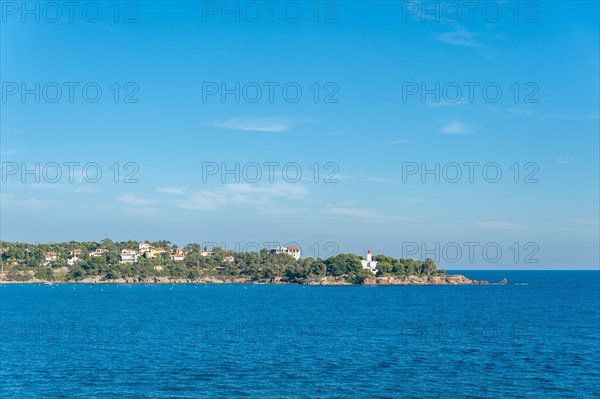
(293, 251)
(129, 256)
(49, 257)
(229, 258)
(144, 247)
(206, 252)
(98, 252)
(177, 256)
(73, 260)
(76, 252)
(370, 264)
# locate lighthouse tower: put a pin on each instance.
(370, 264)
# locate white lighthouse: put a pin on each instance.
(370, 264)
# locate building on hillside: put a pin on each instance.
(370, 264)
(154, 252)
(292, 251)
(177, 256)
(71, 261)
(206, 252)
(129, 256)
(143, 247)
(76, 252)
(98, 252)
(229, 258)
(49, 257)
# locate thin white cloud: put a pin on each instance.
(388, 144)
(172, 190)
(588, 220)
(45, 186)
(520, 112)
(500, 225)
(445, 103)
(271, 125)
(377, 180)
(134, 199)
(12, 131)
(143, 211)
(460, 37)
(457, 127)
(243, 195)
(9, 152)
(11, 200)
(366, 213)
(571, 117)
(564, 160)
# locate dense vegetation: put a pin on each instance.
(23, 262)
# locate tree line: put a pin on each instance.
(23, 261)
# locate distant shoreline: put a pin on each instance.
(454, 279)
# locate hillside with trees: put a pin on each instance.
(102, 262)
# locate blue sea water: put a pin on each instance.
(536, 337)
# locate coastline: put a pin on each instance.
(454, 279)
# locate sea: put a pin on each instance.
(536, 337)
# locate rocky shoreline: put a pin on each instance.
(328, 280)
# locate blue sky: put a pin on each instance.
(372, 127)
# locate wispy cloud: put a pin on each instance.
(271, 125)
(457, 127)
(588, 220)
(520, 112)
(564, 160)
(9, 152)
(10, 130)
(460, 37)
(374, 179)
(243, 195)
(500, 225)
(134, 199)
(11, 200)
(391, 143)
(445, 103)
(366, 213)
(572, 117)
(172, 190)
(143, 211)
